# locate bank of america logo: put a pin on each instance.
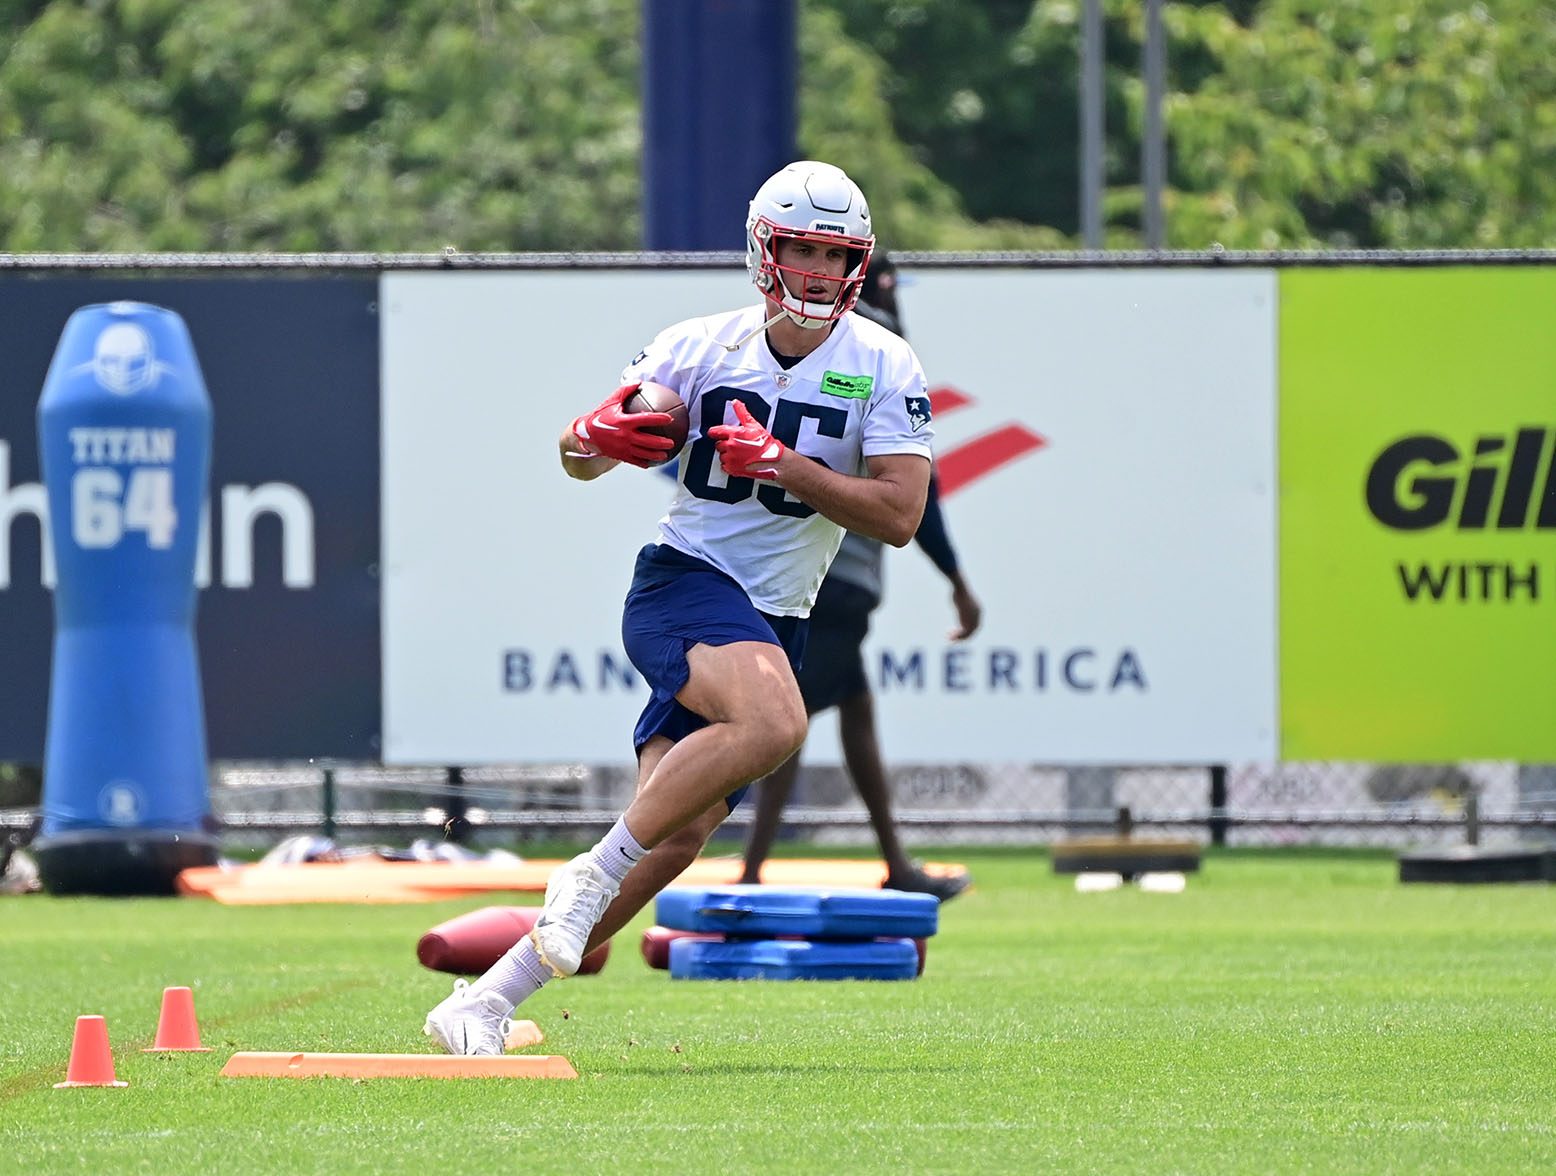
(964, 464)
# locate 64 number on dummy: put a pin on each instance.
(106, 504)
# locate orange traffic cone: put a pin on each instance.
(91, 1062)
(177, 1028)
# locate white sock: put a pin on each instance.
(517, 976)
(618, 851)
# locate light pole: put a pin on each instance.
(1091, 126)
(1153, 148)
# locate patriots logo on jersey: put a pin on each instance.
(918, 411)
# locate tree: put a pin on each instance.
(377, 126)
(407, 126)
(846, 117)
(277, 125)
(985, 95)
(1292, 124)
(1352, 124)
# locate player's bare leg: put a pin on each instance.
(664, 863)
(473, 1019)
(756, 720)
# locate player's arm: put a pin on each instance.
(602, 439)
(577, 463)
(887, 504)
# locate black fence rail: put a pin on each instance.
(1357, 805)
(1245, 805)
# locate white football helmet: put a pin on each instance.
(817, 201)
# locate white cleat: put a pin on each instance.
(469, 1023)
(576, 897)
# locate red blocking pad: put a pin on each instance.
(657, 941)
(815, 912)
(793, 959)
(471, 943)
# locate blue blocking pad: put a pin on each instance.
(792, 959)
(815, 912)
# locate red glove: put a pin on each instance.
(747, 449)
(609, 431)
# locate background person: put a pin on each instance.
(833, 673)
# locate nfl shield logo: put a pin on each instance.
(783, 380)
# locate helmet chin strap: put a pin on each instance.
(808, 322)
(753, 333)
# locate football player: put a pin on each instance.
(804, 420)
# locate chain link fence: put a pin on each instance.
(1495, 804)
(1491, 803)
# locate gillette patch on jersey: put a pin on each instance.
(918, 411)
(853, 387)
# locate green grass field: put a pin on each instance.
(1290, 1012)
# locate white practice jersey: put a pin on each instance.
(860, 394)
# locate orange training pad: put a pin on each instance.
(378, 881)
(328, 1065)
(360, 881)
(521, 1034)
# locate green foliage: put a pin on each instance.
(382, 126)
(1344, 123)
(1292, 123)
(985, 94)
(846, 117)
(515, 124)
(273, 124)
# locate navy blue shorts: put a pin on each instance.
(677, 601)
(834, 650)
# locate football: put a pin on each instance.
(468, 944)
(651, 397)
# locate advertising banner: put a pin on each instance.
(1418, 514)
(1105, 442)
(288, 617)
